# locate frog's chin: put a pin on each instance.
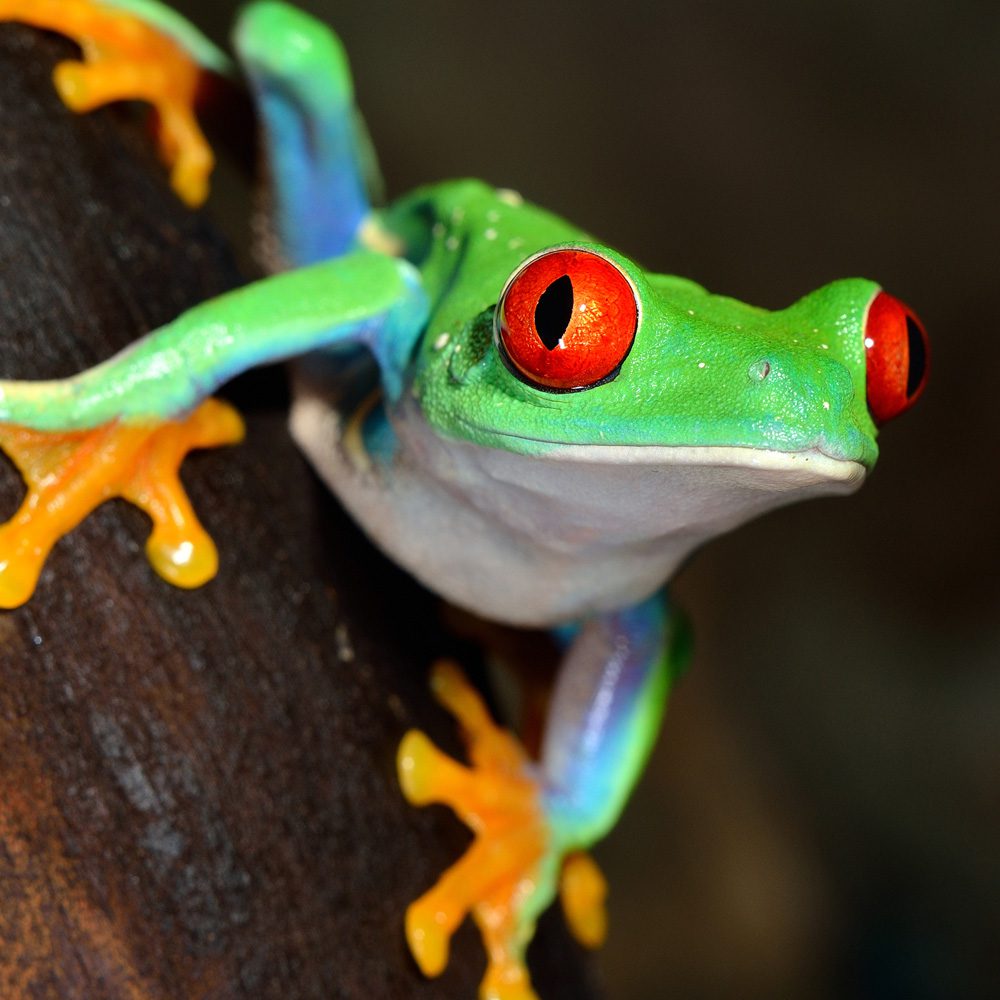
(554, 534)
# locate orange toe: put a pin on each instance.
(126, 59)
(510, 859)
(68, 474)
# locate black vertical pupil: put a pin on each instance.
(554, 311)
(918, 356)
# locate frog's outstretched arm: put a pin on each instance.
(363, 298)
(532, 820)
(123, 427)
(316, 146)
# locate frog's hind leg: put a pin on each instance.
(153, 57)
(320, 159)
(533, 821)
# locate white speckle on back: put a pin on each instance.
(490, 234)
(442, 341)
(452, 243)
(509, 197)
(515, 244)
(492, 215)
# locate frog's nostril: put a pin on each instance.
(759, 370)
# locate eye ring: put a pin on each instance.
(566, 320)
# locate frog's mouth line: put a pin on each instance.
(807, 465)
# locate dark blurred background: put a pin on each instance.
(822, 815)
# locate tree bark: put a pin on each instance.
(197, 789)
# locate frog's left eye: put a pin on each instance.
(566, 320)
(896, 356)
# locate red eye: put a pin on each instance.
(897, 357)
(567, 319)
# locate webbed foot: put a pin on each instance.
(515, 865)
(124, 58)
(70, 473)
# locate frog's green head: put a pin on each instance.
(584, 348)
(618, 419)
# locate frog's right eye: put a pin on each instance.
(566, 320)
(897, 356)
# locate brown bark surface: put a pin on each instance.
(197, 789)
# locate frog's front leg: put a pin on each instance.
(532, 820)
(69, 474)
(123, 427)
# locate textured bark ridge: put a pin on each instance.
(197, 791)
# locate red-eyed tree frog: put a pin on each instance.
(528, 421)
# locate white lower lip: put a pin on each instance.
(812, 463)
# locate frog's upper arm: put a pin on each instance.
(361, 298)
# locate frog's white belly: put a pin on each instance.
(540, 541)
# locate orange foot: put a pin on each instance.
(69, 473)
(515, 864)
(126, 59)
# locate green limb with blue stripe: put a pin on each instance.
(317, 149)
(361, 298)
